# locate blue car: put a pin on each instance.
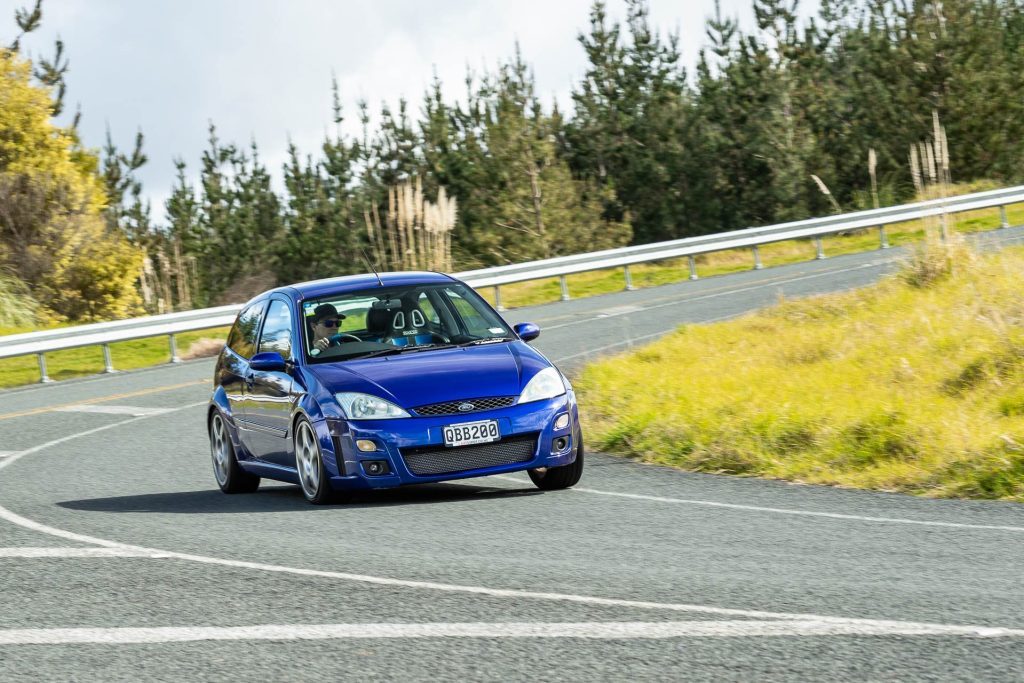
(376, 381)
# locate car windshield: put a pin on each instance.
(395, 320)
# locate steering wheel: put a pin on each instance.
(346, 336)
(438, 335)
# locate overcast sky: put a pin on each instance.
(261, 69)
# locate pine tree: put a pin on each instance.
(630, 109)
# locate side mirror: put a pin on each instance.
(269, 361)
(527, 331)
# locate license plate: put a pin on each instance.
(471, 432)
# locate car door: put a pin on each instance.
(234, 367)
(270, 394)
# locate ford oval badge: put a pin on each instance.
(466, 407)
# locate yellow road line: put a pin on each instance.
(103, 399)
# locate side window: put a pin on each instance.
(474, 322)
(242, 339)
(277, 330)
(428, 308)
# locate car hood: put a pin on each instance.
(425, 377)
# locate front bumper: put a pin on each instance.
(348, 467)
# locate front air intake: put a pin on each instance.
(430, 460)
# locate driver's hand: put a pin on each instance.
(322, 343)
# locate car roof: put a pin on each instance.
(348, 283)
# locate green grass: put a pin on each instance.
(895, 387)
(128, 355)
(721, 263)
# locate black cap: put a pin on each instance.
(324, 311)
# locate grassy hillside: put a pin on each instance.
(914, 385)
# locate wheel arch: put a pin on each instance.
(219, 403)
(307, 408)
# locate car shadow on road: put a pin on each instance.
(289, 498)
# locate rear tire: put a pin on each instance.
(309, 464)
(563, 477)
(230, 476)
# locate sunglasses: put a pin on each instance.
(330, 324)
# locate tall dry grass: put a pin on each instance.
(415, 233)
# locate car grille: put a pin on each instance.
(452, 407)
(428, 460)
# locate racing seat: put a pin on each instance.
(387, 326)
(411, 324)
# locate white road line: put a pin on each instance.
(7, 454)
(517, 594)
(951, 629)
(76, 552)
(617, 630)
(135, 411)
(71, 437)
(715, 295)
(781, 511)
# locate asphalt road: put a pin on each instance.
(120, 559)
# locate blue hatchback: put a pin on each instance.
(378, 381)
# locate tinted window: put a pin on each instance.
(277, 330)
(242, 339)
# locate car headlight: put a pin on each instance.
(545, 384)
(367, 407)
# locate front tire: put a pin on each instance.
(309, 463)
(554, 478)
(230, 476)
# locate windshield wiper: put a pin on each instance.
(425, 347)
(403, 349)
(378, 352)
(486, 340)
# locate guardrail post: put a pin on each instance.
(629, 280)
(172, 342)
(43, 377)
(565, 288)
(693, 268)
(819, 247)
(757, 258)
(108, 364)
(1004, 222)
(497, 298)
(883, 238)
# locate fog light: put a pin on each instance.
(560, 443)
(562, 421)
(375, 468)
(365, 445)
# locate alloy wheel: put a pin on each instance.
(220, 450)
(307, 459)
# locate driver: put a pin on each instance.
(325, 324)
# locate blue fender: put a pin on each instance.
(307, 406)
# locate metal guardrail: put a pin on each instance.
(104, 334)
